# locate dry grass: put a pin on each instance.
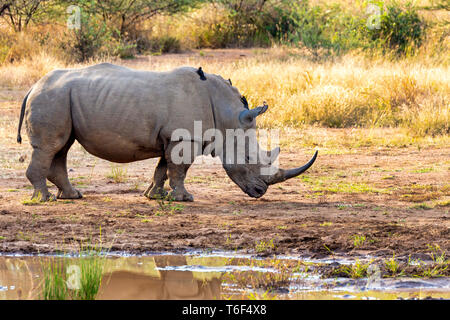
(351, 91)
(27, 72)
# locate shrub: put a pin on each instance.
(15, 47)
(164, 44)
(401, 28)
(89, 40)
(317, 27)
(307, 26)
(4, 50)
(245, 23)
(124, 50)
(220, 35)
(168, 44)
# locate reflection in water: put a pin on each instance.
(125, 283)
(202, 277)
(123, 278)
(18, 278)
(172, 285)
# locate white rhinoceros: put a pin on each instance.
(124, 115)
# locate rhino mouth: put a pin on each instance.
(256, 191)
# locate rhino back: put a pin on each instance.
(125, 115)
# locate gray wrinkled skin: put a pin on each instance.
(124, 115)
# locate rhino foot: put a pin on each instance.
(155, 192)
(72, 194)
(181, 196)
(43, 197)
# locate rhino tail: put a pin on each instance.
(22, 114)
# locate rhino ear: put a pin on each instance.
(273, 155)
(246, 117)
(269, 157)
(244, 101)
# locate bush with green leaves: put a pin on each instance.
(110, 28)
(333, 27)
(91, 39)
(246, 23)
(164, 44)
(401, 29)
(121, 28)
(316, 26)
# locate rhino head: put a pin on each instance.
(247, 165)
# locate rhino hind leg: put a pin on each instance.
(49, 130)
(156, 189)
(37, 174)
(58, 174)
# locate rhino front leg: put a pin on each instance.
(177, 173)
(156, 189)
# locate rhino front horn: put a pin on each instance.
(283, 175)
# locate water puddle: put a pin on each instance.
(215, 276)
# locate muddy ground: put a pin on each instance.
(367, 201)
(293, 216)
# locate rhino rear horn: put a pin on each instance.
(273, 155)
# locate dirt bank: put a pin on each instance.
(375, 203)
(360, 197)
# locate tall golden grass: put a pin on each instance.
(350, 91)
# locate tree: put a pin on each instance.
(19, 13)
(4, 6)
(124, 15)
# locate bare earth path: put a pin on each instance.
(299, 216)
(367, 200)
